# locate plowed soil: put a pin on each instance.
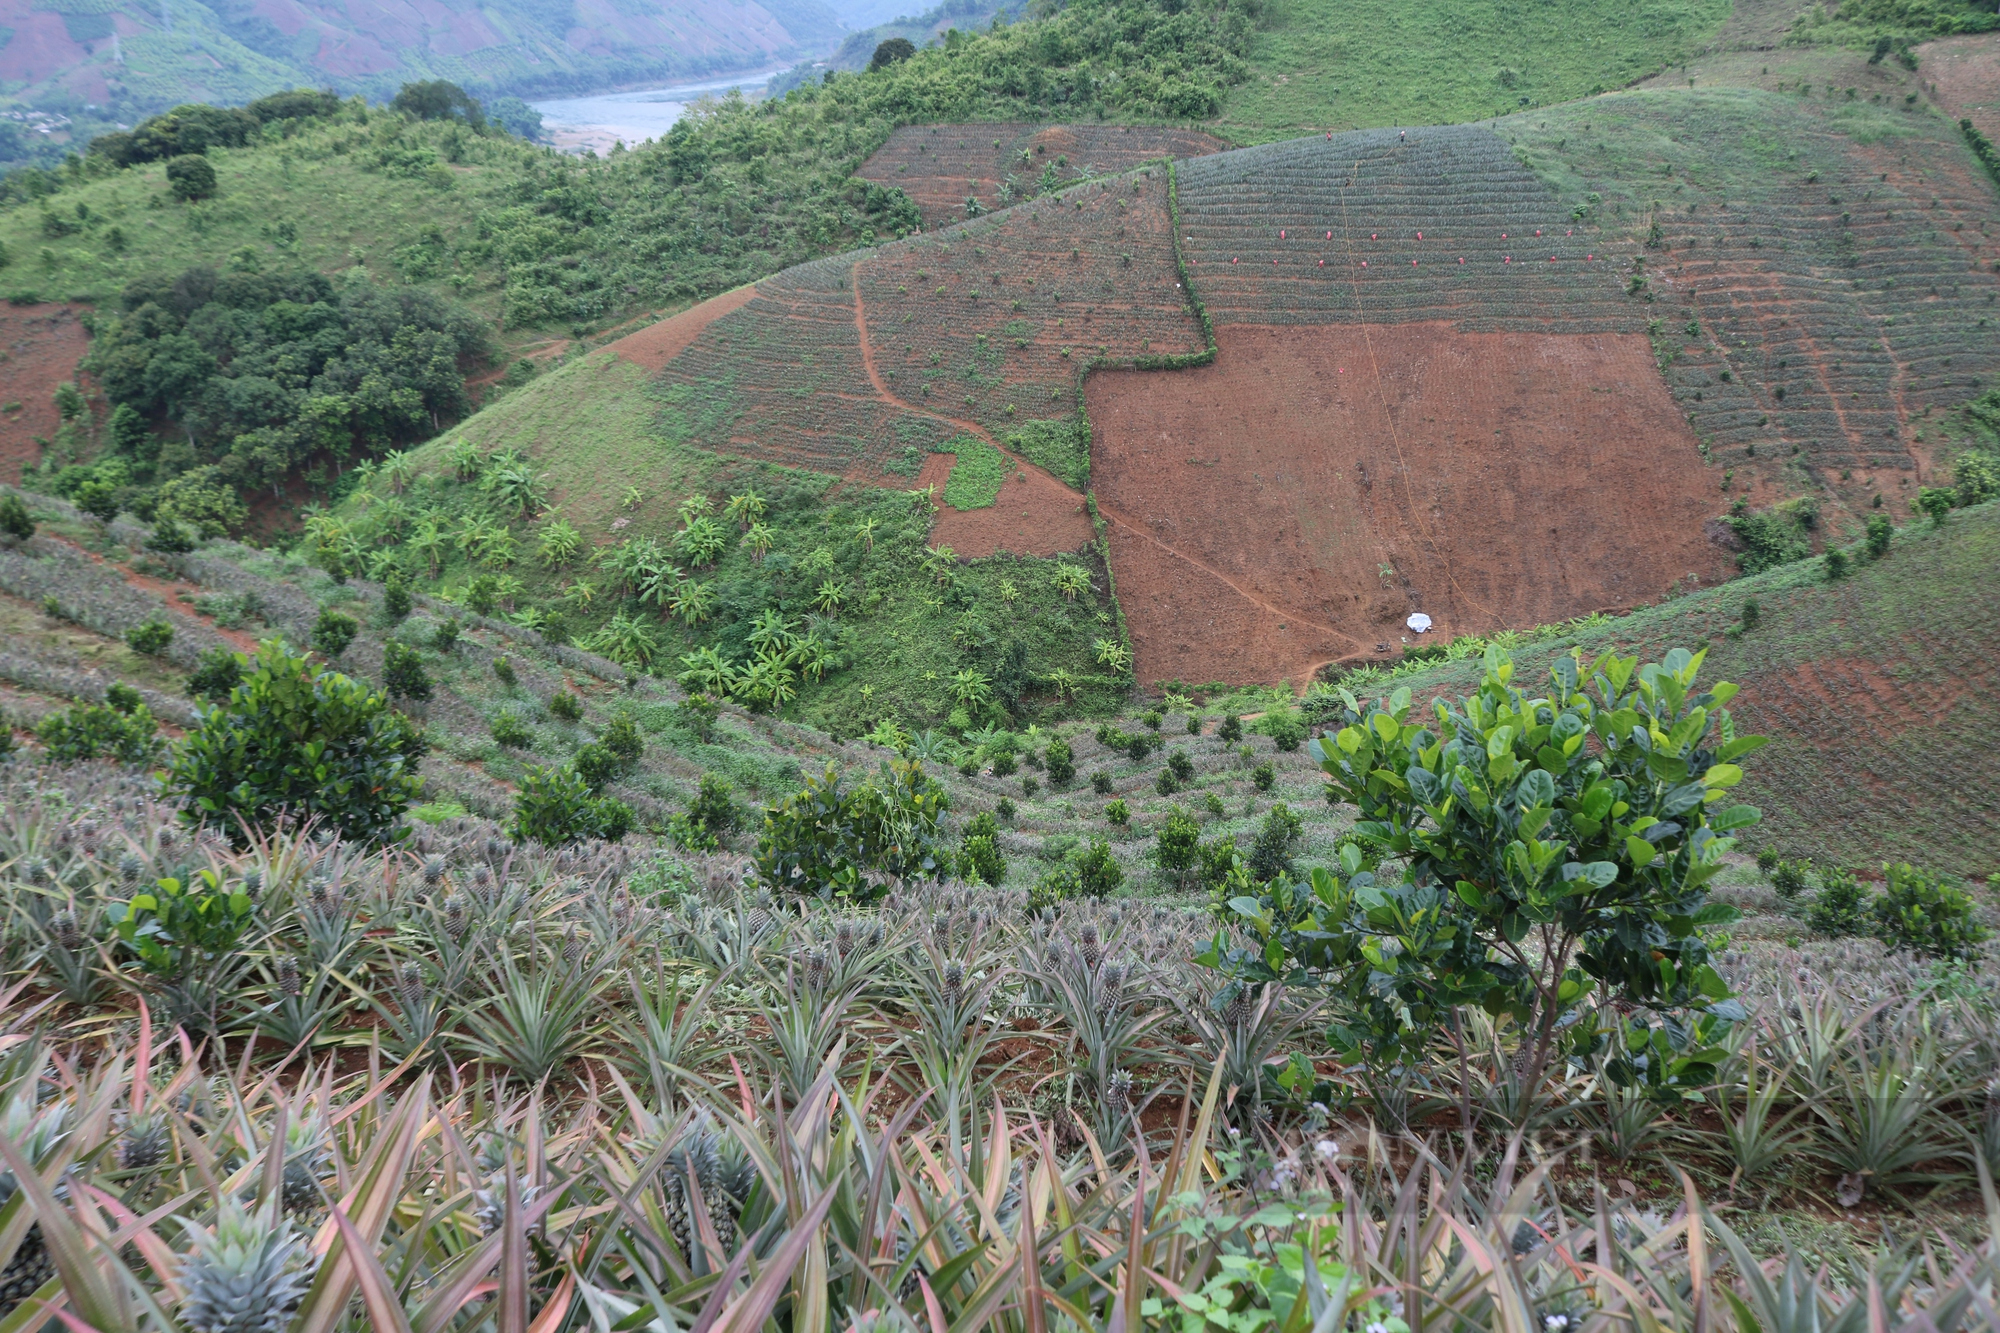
(1965, 74)
(657, 344)
(1294, 502)
(1035, 515)
(938, 166)
(39, 348)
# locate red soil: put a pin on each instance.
(1293, 502)
(1035, 515)
(39, 348)
(939, 165)
(1964, 74)
(657, 344)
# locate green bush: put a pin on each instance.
(1264, 777)
(503, 671)
(1841, 905)
(1165, 784)
(1181, 767)
(15, 521)
(555, 807)
(190, 176)
(396, 599)
(1030, 788)
(1003, 764)
(564, 705)
(1176, 848)
(1138, 747)
(1098, 875)
(710, 818)
(151, 638)
(219, 672)
(1100, 782)
(444, 638)
(1921, 911)
(1193, 725)
(595, 764)
(293, 743)
(1271, 854)
(1118, 813)
(123, 697)
(170, 538)
(698, 711)
(99, 499)
(621, 737)
(96, 731)
(836, 840)
(979, 856)
(1231, 730)
(1789, 877)
(511, 731)
(403, 674)
(1880, 532)
(333, 632)
(1835, 563)
(1285, 728)
(1152, 719)
(1061, 763)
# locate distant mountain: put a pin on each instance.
(134, 56)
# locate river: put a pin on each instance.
(632, 115)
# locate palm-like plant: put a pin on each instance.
(1072, 581)
(466, 460)
(829, 596)
(700, 542)
(558, 544)
(626, 641)
(865, 530)
(759, 538)
(707, 671)
(430, 541)
(770, 632)
(971, 687)
(744, 510)
(1113, 654)
(694, 506)
(514, 486)
(811, 655)
(1063, 681)
(534, 1022)
(692, 602)
(580, 594)
(397, 469)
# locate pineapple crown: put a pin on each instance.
(38, 1135)
(245, 1274)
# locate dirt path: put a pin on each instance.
(1052, 516)
(167, 594)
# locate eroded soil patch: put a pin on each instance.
(1295, 501)
(1964, 73)
(39, 348)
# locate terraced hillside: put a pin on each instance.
(998, 163)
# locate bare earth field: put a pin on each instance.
(39, 348)
(1964, 78)
(1295, 501)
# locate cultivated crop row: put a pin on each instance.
(71, 585)
(1386, 226)
(994, 321)
(941, 166)
(783, 378)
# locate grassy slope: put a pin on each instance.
(343, 212)
(1879, 693)
(1321, 65)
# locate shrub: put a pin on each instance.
(292, 742)
(1767, 859)
(1231, 730)
(1030, 788)
(190, 176)
(1003, 764)
(503, 671)
(445, 637)
(1152, 719)
(122, 697)
(697, 712)
(1835, 561)
(1880, 532)
(1919, 910)
(1118, 813)
(1100, 782)
(621, 737)
(95, 731)
(1284, 727)
(1271, 854)
(15, 521)
(710, 818)
(1193, 725)
(824, 841)
(1841, 905)
(1752, 613)
(511, 731)
(1181, 766)
(1139, 747)
(151, 638)
(555, 807)
(333, 631)
(979, 856)
(1263, 777)
(6, 737)
(1789, 877)
(1176, 849)
(1059, 883)
(97, 498)
(396, 599)
(1061, 763)
(1165, 784)
(1004, 808)
(1098, 875)
(403, 674)
(564, 705)
(170, 537)
(595, 765)
(219, 672)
